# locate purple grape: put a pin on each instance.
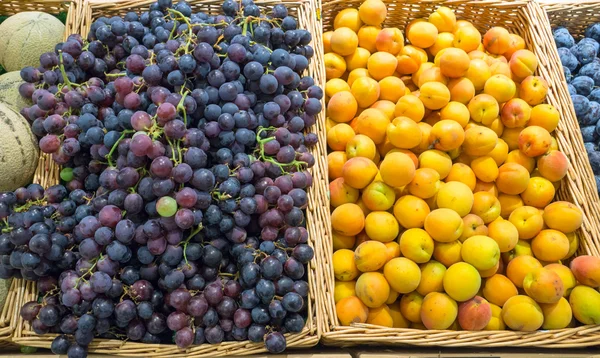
(184, 337)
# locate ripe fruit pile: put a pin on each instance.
(581, 66)
(443, 171)
(185, 164)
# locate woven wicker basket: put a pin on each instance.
(527, 19)
(317, 214)
(9, 314)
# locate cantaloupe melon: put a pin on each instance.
(18, 150)
(27, 35)
(4, 286)
(9, 91)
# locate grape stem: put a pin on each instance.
(220, 196)
(190, 36)
(175, 148)
(55, 215)
(187, 240)
(61, 65)
(154, 131)
(52, 292)
(181, 107)
(112, 150)
(221, 37)
(29, 204)
(179, 152)
(7, 227)
(88, 272)
(261, 142)
(245, 27)
(120, 74)
(133, 189)
(173, 29)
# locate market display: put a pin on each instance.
(443, 172)
(182, 137)
(184, 143)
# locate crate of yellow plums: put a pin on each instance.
(463, 207)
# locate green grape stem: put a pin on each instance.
(133, 189)
(181, 107)
(88, 272)
(245, 27)
(179, 151)
(175, 148)
(6, 227)
(187, 240)
(112, 150)
(120, 74)
(190, 36)
(298, 164)
(154, 131)
(29, 204)
(61, 65)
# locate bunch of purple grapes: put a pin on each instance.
(184, 142)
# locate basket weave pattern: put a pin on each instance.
(527, 19)
(574, 15)
(79, 21)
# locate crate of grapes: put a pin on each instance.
(9, 313)
(431, 247)
(228, 148)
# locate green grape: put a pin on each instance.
(166, 206)
(66, 174)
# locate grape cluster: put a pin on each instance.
(184, 142)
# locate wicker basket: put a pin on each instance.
(9, 314)
(527, 19)
(317, 214)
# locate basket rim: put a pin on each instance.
(586, 335)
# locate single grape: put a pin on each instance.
(275, 342)
(166, 206)
(60, 345)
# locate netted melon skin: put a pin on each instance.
(9, 91)
(27, 35)
(19, 152)
(4, 286)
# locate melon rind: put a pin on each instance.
(27, 35)
(9, 91)
(19, 152)
(4, 287)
